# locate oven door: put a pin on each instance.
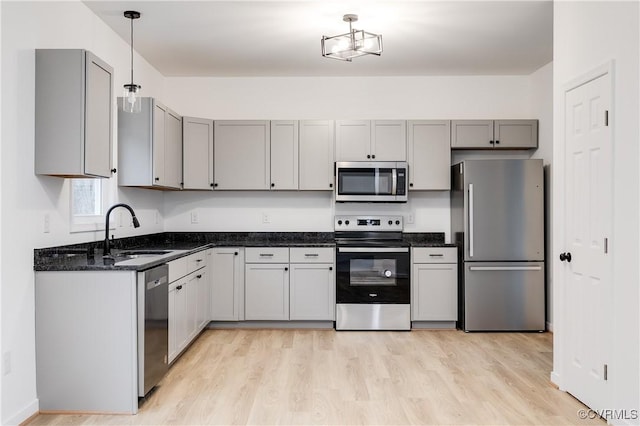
(372, 275)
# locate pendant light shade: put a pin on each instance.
(131, 97)
(350, 45)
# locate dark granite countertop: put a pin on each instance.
(88, 256)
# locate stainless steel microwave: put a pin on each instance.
(371, 181)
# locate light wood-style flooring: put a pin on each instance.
(309, 377)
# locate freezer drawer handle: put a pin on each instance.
(505, 268)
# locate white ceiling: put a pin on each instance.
(282, 38)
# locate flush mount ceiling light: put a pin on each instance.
(355, 43)
(131, 99)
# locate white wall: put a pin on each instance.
(587, 35)
(331, 98)
(26, 198)
(542, 108)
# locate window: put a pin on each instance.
(87, 204)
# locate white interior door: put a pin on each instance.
(588, 224)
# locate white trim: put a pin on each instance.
(549, 326)
(29, 410)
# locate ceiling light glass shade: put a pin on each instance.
(352, 44)
(131, 98)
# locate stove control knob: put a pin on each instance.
(390, 222)
(339, 222)
(397, 222)
(387, 273)
(346, 222)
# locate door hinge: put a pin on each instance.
(606, 245)
(606, 118)
(605, 372)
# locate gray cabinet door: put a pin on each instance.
(429, 154)
(516, 134)
(312, 292)
(353, 140)
(284, 154)
(197, 161)
(173, 150)
(472, 134)
(73, 114)
(389, 140)
(434, 292)
(316, 156)
(158, 141)
(266, 291)
(241, 155)
(98, 117)
(227, 284)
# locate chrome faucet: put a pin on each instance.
(136, 224)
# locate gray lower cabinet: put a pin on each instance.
(494, 134)
(73, 114)
(150, 146)
(86, 341)
(434, 284)
(227, 284)
(312, 284)
(266, 291)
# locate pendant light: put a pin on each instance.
(131, 98)
(350, 45)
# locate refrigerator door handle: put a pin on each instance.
(470, 220)
(505, 268)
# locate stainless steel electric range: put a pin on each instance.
(373, 289)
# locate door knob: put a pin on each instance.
(565, 256)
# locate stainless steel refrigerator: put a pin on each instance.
(497, 220)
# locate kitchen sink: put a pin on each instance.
(133, 254)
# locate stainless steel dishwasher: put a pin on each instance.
(153, 327)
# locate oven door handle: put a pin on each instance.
(373, 249)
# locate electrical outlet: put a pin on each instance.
(194, 216)
(266, 218)
(47, 223)
(410, 218)
(6, 363)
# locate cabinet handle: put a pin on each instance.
(368, 156)
(157, 179)
(114, 170)
(411, 185)
(286, 269)
(266, 254)
(331, 268)
(215, 185)
(311, 255)
(235, 253)
(273, 184)
(179, 287)
(373, 156)
(211, 184)
(199, 276)
(199, 260)
(436, 255)
(497, 142)
(330, 185)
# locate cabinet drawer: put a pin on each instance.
(435, 255)
(177, 268)
(196, 261)
(312, 255)
(266, 255)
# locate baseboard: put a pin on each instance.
(433, 325)
(270, 324)
(555, 379)
(25, 415)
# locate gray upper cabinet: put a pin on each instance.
(366, 140)
(73, 114)
(242, 157)
(197, 154)
(284, 155)
(316, 156)
(150, 146)
(429, 154)
(494, 134)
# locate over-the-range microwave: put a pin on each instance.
(371, 181)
